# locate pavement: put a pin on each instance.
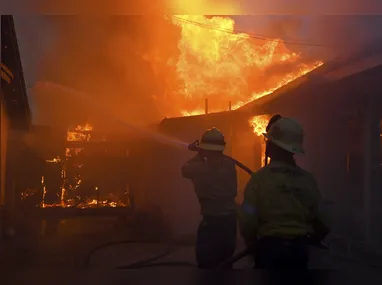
(71, 245)
(71, 252)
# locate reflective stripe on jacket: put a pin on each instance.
(279, 200)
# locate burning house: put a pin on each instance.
(196, 71)
(340, 109)
(15, 113)
(217, 78)
(339, 106)
(76, 168)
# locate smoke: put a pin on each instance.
(105, 57)
(317, 37)
(123, 62)
(346, 34)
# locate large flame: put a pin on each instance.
(216, 63)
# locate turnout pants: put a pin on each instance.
(279, 253)
(216, 240)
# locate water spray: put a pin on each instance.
(85, 97)
(159, 137)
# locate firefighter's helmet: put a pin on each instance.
(288, 134)
(212, 139)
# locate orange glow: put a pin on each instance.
(81, 133)
(216, 63)
(259, 125)
(43, 205)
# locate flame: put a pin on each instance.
(89, 204)
(43, 205)
(54, 160)
(259, 125)
(216, 63)
(81, 133)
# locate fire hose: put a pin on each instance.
(149, 262)
(195, 147)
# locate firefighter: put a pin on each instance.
(280, 209)
(215, 182)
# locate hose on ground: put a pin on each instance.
(88, 257)
(148, 262)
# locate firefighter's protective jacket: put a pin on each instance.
(279, 200)
(215, 184)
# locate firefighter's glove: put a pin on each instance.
(194, 146)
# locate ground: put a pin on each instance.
(66, 250)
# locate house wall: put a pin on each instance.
(325, 113)
(247, 148)
(3, 157)
(4, 136)
(335, 155)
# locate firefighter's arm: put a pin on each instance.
(192, 167)
(248, 219)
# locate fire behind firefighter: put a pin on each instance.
(215, 182)
(279, 217)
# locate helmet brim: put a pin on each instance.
(284, 146)
(214, 147)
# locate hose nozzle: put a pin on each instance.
(194, 146)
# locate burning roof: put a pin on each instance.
(208, 58)
(217, 63)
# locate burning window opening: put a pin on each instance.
(259, 125)
(70, 167)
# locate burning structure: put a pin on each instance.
(340, 109)
(86, 169)
(233, 81)
(214, 68)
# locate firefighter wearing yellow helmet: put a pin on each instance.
(281, 201)
(215, 182)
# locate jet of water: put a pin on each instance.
(87, 98)
(159, 137)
